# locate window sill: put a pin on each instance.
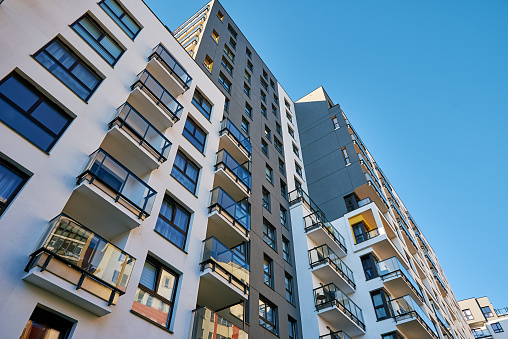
(172, 243)
(188, 190)
(152, 322)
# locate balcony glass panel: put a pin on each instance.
(323, 254)
(209, 324)
(217, 252)
(335, 335)
(171, 65)
(481, 333)
(233, 131)
(318, 220)
(218, 197)
(240, 171)
(392, 265)
(406, 306)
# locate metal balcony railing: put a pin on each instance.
(392, 267)
(219, 198)
(228, 127)
(315, 220)
(209, 324)
(172, 66)
(324, 255)
(405, 307)
(241, 173)
(335, 335)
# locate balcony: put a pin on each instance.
(224, 276)
(233, 177)
(327, 266)
(170, 73)
(398, 280)
(408, 238)
(440, 284)
(501, 311)
(234, 142)
(229, 221)
(372, 191)
(135, 142)
(321, 231)
(411, 320)
(445, 326)
(156, 103)
(110, 196)
(480, 333)
(335, 335)
(338, 310)
(79, 266)
(209, 324)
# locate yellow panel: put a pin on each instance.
(357, 218)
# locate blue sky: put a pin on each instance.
(426, 86)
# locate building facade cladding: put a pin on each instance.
(483, 319)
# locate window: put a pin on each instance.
(263, 110)
(28, 112)
(274, 110)
(98, 39)
(392, 335)
(269, 174)
(245, 126)
(298, 169)
(173, 222)
(265, 75)
(379, 300)
(232, 43)
(292, 328)
(290, 118)
(269, 236)
(298, 184)
(264, 147)
(220, 16)
(69, 69)
(262, 96)
(248, 110)
(263, 83)
(246, 89)
(46, 324)
(335, 122)
(346, 156)
(278, 128)
(278, 145)
(208, 63)
(268, 271)
(497, 327)
(296, 151)
(288, 280)
(359, 232)
(185, 172)
(351, 202)
(226, 105)
(272, 84)
(11, 182)
(268, 133)
(215, 37)
(204, 106)
(283, 189)
(369, 266)
(467, 314)
(286, 103)
(227, 66)
(286, 250)
(225, 82)
(487, 312)
(267, 315)
(266, 199)
(283, 217)
(276, 99)
(229, 53)
(232, 31)
(247, 76)
(250, 65)
(194, 134)
(248, 52)
(156, 293)
(121, 17)
(291, 132)
(282, 167)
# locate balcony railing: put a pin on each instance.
(128, 119)
(335, 335)
(209, 324)
(481, 333)
(148, 84)
(369, 234)
(241, 173)
(501, 311)
(172, 66)
(443, 322)
(324, 255)
(404, 227)
(330, 295)
(428, 257)
(240, 215)
(228, 127)
(316, 220)
(438, 278)
(405, 307)
(122, 185)
(392, 267)
(225, 261)
(71, 243)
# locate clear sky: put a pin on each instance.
(425, 84)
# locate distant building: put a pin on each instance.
(484, 320)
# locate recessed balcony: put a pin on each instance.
(398, 281)
(327, 266)
(233, 177)
(372, 191)
(157, 104)
(440, 283)
(209, 324)
(170, 73)
(338, 310)
(135, 142)
(224, 276)
(320, 231)
(109, 196)
(228, 220)
(74, 263)
(411, 320)
(408, 238)
(234, 142)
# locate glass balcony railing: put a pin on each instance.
(376, 188)
(392, 267)
(299, 195)
(240, 215)
(228, 127)
(406, 307)
(209, 324)
(480, 333)
(404, 227)
(172, 66)
(364, 202)
(124, 186)
(428, 257)
(442, 320)
(230, 263)
(315, 220)
(369, 234)
(161, 97)
(330, 295)
(335, 335)
(241, 173)
(438, 278)
(501, 311)
(128, 119)
(324, 255)
(68, 241)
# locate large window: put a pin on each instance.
(282, 167)
(283, 189)
(156, 293)
(288, 280)
(69, 69)
(225, 82)
(227, 66)
(286, 251)
(467, 314)
(269, 235)
(278, 145)
(245, 126)
(283, 217)
(269, 174)
(173, 222)
(11, 182)
(292, 328)
(487, 312)
(379, 300)
(28, 112)
(185, 172)
(194, 134)
(369, 266)
(264, 147)
(46, 324)
(266, 199)
(268, 271)
(232, 31)
(98, 39)
(203, 105)
(248, 110)
(268, 315)
(121, 17)
(497, 327)
(345, 156)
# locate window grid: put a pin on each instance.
(266, 199)
(185, 172)
(173, 222)
(269, 234)
(286, 250)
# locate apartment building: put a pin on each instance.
(484, 320)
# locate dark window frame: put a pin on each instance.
(24, 178)
(268, 271)
(192, 134)
(498, 328)
(263, 321)
(199, 104)
(286, 250)
(487, 312)
(284, 217)
(171, 222)
(119, 18)
(267, 202)
(182, 171)
(467, 316)
(291, 290)
(45, 317)
(385, 306)
(272, 243)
